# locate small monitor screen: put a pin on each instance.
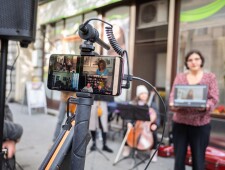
(190, 95)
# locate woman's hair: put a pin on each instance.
(192, 52)
(103, 62)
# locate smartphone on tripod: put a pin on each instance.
(89, 74)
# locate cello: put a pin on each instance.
(140, 135)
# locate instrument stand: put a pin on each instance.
(134, 113)
(100, 152)
(133, 154)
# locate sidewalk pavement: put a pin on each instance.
(37, 140)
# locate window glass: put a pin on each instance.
(119, 18)
(60, 38)
(202, 27)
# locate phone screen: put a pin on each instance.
(91, 74)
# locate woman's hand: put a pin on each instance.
(10, 145)
(207, 108)
(153, 126)
(173, 108)
(153, 117)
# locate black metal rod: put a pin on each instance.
(81, 133)
(3, 65)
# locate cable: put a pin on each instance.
(115, 45)
(128, 78)
(18, 49)
(110, 35)
(165, 110)
(7, 165)
(113, 42)
(86, 22)
(21, 168)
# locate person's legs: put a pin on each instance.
(180, 145)
(93, 135)
(104, 137)
(199, 140)
(61, 116)
(105, 147)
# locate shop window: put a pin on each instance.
(206, 33)
(71, 39)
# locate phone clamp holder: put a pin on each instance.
(87, 49)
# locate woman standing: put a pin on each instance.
(191, 126)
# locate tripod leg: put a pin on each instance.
(136, 165)
(97, 149)
(93, 134)
(129, 126)
(102, 154)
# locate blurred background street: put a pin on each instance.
(157, 35)
(37, 140)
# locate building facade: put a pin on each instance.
(143, 35)
(157, 35)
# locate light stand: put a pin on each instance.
(3, 66)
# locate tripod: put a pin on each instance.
(68, 152)
(76, 137)
(133, 113)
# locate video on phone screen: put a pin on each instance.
(86, 73)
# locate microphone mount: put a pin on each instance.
(91, 35)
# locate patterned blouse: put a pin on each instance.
(191, 116)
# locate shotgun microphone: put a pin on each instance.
(89, 33)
